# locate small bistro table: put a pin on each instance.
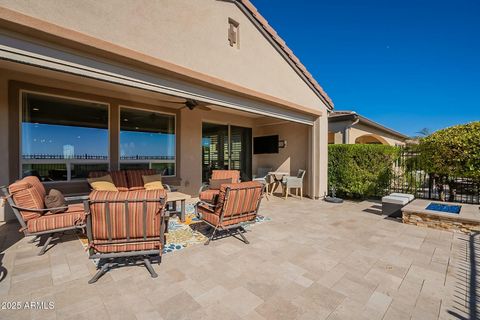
(277, 179)
(173, 198)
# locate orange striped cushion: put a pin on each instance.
(226, 174)
(29, 193)
(209, 195)
(117, 214)
(214, 218)
(244, 197)
(135, 178)
(104, 247)
(74, 215)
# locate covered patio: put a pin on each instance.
(313, 260)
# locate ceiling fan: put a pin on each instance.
(192, 104)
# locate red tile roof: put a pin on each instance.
(263, 22)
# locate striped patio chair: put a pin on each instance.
(125, 228)
(210, 195)
(237, 206)
(26, 198)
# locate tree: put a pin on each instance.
(425, 132)
(453, 151)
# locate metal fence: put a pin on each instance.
(409, 178)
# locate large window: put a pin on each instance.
(62, 139)
(147, 140)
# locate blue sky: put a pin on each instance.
(406, 64)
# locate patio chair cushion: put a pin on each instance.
(55, 199)
(74, 215)
(29, 193)
(215, 184)
(153, 181)
(226, 174)
(214, 218)
(209, 195)
(119, 177)
(103, 183)
(103, 246)
(135, 177)
(119, 226)
(247, 201)
(240, 205)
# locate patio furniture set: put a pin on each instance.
(273, 179)
(128, 224)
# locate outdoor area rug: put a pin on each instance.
(184, 234)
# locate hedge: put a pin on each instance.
(360, 170)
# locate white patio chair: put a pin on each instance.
(295, 182)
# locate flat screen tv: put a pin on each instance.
(265, 144)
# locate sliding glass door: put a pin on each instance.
(226, 147)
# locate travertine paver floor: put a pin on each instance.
(314, 260)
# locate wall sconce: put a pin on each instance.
(282, 143)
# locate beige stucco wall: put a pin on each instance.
(191, 142)
(185, 32)
(360, 130)
(337, 131)
(292, 157)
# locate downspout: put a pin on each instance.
(346, 132)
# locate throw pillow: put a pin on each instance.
(55, 199)
(152, 182)
(215, 184)
(104, 183)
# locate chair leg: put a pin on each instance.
(100, 273)
(47, 242)
(34, 239)
(239, 231)
(301, 193)
(211, 237)
(149, 267)
(286, 193)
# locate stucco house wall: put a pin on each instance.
(360, 130)
(189, 33)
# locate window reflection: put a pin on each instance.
(63, 139)
(147, 141)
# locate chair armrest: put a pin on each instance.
(204, 187)
(37, 210)
(211, 205)
(167, 187)
(77, 198)
(292, 179)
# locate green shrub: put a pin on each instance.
(453, 151)
(360, 170)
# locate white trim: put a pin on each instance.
(31, 53)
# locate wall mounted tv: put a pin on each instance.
(265, 144)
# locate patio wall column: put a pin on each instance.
(114, 138)
(323, 156)
(318, 158)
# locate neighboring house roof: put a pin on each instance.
(280, 42)
(339, 116)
